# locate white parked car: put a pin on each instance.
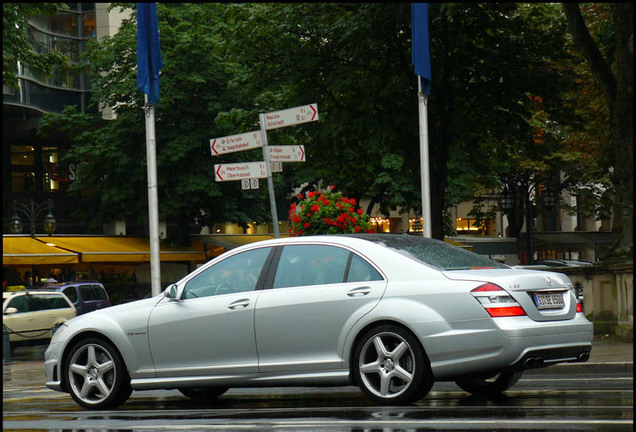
(389, 313)
(33, 315)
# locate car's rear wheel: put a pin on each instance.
(490, 385)
(96, 375)
(390, 366)
(203, 393)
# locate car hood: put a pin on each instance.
(126, 315)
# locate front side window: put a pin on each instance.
(238, 273)
(302, 265)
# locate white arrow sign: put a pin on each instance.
(240, 171)
(291, 116)
(234, 143)
(295, 153)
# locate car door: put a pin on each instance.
(210, 330)
(314, 297)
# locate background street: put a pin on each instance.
(595, 396)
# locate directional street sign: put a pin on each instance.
(294, 153)
(234, 143)
(291, 116)
(240, 171)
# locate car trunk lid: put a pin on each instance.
(544, 296)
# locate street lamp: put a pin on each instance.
(32, 212)
(548, 198)
(506, 201)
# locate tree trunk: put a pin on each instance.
(619, 91)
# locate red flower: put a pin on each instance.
(360, 211)
(311, 194)
(307, 224)
(315, 208)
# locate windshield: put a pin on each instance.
(434, 253)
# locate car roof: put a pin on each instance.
(7, 294)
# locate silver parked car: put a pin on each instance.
(389, 313)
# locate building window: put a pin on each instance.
(466, 225)
(22, 155)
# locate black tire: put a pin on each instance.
(203, 393)
(96, 375)
(390, 366)
(491, 385)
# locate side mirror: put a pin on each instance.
(10, 311)
(172, 292)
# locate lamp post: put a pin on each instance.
(32, 212)
(548, 198)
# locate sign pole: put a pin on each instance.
(153, 200)
(425, 178)
(270, 180)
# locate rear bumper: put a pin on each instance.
(549, 356)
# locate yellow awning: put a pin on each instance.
(122, 249)
(21, 250)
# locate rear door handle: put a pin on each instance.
(360, 291)
(239, 304)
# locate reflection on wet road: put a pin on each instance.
(561, 404)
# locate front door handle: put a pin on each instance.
(239, 304)
(360, 291)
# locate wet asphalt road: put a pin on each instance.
(562, 400)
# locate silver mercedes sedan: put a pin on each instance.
(391, 314)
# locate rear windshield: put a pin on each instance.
(434, 253)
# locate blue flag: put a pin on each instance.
(420, 50)
(149, 60)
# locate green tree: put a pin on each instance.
(614, 74)
(18, 47)
(111, 155)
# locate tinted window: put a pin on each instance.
(435, 253)
(46, 302)
(237, 273)
(20, 303)
(361, 271)
(301, 265)
(87, 292)
(70, 293)
(100, 292)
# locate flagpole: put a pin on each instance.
(424, 165)
(153, 200)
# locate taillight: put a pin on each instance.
(579, 306)
(497, 301)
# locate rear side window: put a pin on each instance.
(87, 292)
(302, 265)
(362, 271)
(71, 293)
(100, 292)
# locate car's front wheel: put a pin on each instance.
(203, 393)
(390, 366)
(491, 384)
(96, 375)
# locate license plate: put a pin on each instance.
(549, 301)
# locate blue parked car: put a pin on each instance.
(86, 296)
